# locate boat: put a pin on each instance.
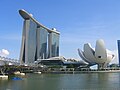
(16, 78)
(19, 73)
(38, 72)
(3, 76)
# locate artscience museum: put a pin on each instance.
(100, 55)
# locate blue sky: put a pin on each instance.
(79, 22)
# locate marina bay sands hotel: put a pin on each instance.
(38, 41)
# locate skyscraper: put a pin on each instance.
(28, 48)
(53, 45)
(118, 42)
(42, 35)
(37, 40)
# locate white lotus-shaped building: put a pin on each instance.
(100, 55)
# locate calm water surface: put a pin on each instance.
(85, 81)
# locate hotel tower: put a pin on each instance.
(38, 41)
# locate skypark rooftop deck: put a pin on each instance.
(26, 15)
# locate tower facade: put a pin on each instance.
(118, 42)
(37, 40)
(28, 47)
(42, 35)
(53, 45)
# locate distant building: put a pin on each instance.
(62, 61)
(118, 42)
(37, 40)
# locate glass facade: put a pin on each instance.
(53, 46)
(22, 52)
(42, 36)
(38, 42)
(29, 42)
(118, 42)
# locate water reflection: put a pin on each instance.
(85, 81)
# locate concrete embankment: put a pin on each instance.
(78, 72)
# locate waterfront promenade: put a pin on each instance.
(79, 72)
(10, 69)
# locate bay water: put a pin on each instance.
(82, 81)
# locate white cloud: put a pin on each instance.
(4, 53)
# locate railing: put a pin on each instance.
(6, 59)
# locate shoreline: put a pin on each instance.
(78, 72)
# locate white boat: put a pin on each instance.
(4, 77)
(38, 72)
(22, 74)
(18, 73)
